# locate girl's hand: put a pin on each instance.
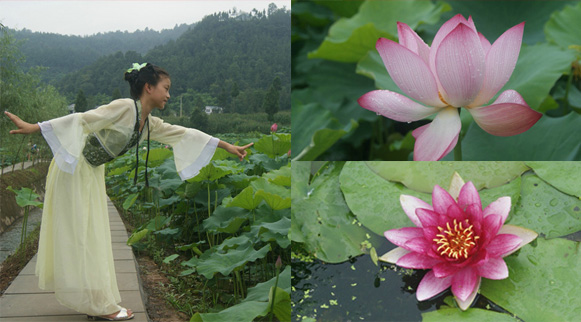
(23, 127)
(239, 151)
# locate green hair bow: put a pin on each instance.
(136, 67)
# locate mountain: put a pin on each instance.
(224, 51)
(62, 54)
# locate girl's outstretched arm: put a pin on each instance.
(239, 151)
(23, 127)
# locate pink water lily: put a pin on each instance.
(460, 69)
(457, 240)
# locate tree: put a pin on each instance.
(270, 103)
(199, 120)
(116, 93)
(81, 102)
(234, 92)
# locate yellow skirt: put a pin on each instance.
(75, 256)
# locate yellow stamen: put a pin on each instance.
(456, 241)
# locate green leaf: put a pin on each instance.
(546, 210)
(158, 156)
(264, 185)
(274, 145)
(322, 140)
(282, 304)
(137, 236)
(542, 282)
(550, 139)
(210, 172)
(274, 201)
(260, 292)
(563, 27)
(320, 216)
(281, 177)
(372, 66)
(26, 197)
(245, 311)
(423, 176)
(233, 259)
(536, 71)
(274, 231)
(130, 201)
(246, 199)
(350, 39)
(170, 258)
(559, 175)
(475, 315)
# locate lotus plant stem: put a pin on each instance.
(458, 147)
(566, 106)
(278, 265)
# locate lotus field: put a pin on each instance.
(221, 231)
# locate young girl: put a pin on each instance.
(75, 258)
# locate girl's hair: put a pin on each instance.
(149, 74)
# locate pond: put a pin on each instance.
(358, 290)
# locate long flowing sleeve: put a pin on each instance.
(66, 135)
(192, 149)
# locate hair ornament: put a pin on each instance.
(136, 67)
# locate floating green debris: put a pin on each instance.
(353, 284)
(324, 306)
(353, 298)
(333, 302)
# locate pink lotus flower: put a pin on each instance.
(457, 240)
(460, 69)
(273, 128)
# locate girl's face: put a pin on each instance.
(159, 94)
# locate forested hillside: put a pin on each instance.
(65, 54)
(228, 59)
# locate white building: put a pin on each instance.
(214, 109)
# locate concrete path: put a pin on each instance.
(23, 301)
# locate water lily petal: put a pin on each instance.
(500, 62)
(503, 244)
(490, 226)
(393, 255)
(500, 206)
(394, 106)
(526, 235)
(431, 286)
(495, 269)
(484, 42)
(464, 282)
(454, 212)
(441, 200)
(464, 305)
(427, 217)
(439, 138)
(409, 72)
(474, 212)
(456, 185)
(409, 38)
(508, 115)
(418, 245)
(400, 236)
(410, 204)
(460, 66)
(444, 269)
(417, 261)
(468, 195)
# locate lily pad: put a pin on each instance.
(476, 315)
(546, 210)
(320, 216)
(422, 176)
(542, 282)
(559, 175)
(375, 200)
(233, 259)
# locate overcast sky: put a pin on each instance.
(91, 17)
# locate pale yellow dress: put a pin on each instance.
(75, 258)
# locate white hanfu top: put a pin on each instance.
(75, 258)
(113, 125)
